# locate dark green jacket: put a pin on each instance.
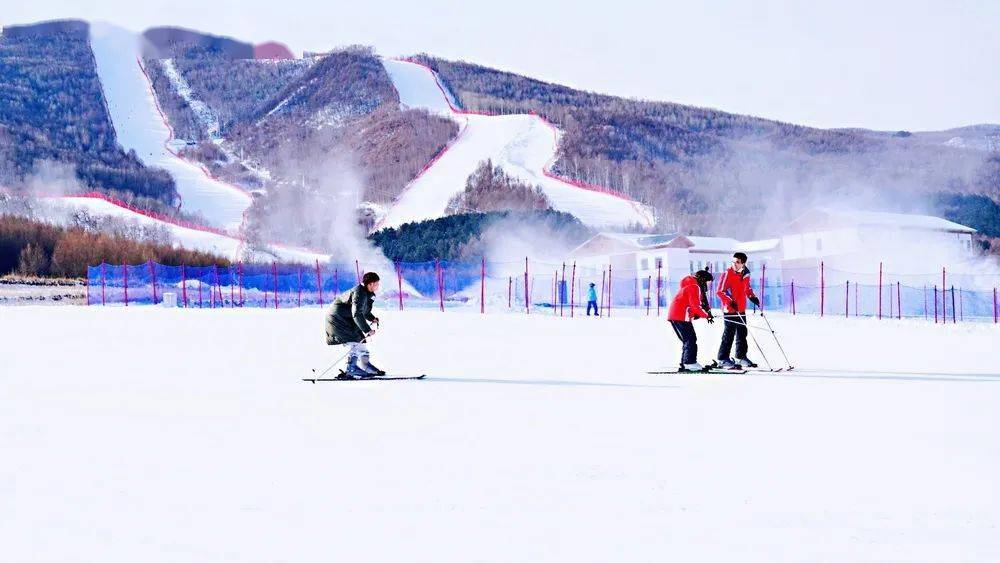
(348, 317)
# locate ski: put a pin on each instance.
(703, 372)
(376, 378)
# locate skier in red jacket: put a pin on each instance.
(689, 304)
(734, 290)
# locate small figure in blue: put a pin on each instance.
(592, 300)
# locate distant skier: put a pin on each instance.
(689, 305)
(347, 322)
(734, 290)
(592, 300)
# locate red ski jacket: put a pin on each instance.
(733, 291)
(687, 303)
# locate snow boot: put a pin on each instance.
(353, 370)
(692, 367)
(368, 367)
(728, 363)
(746, 363)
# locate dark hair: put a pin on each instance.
(741, 257)
(704, 276)
(592, 284)
(368, 278)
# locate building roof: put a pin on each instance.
(759, 245)
(823, 217)
(713, 244)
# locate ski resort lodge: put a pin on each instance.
(846, 243)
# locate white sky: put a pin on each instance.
(913, 65)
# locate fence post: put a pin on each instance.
(184, 286)
(274, 275)
(562, 296)
(336, 283)
(899, 301)
(527, 300)
(239, 271)
(125, 281)
(357, 270)
(482, 285)
(880, 291)
(953, 321)
(822, 288)
(103, 298)
(847, 299)
(603, 277)
(152, 277)
(510, 292)
(609, 290)
(793, 296)
(763, 279)
(994, 305)
(399, 284)
(572, 290)
(944, 304)
(319, 283)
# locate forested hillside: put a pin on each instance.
(52, 109)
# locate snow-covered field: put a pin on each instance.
(523, 145)
(146, 434)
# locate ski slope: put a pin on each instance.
(161, 435)
(522, 145)
(140, 126)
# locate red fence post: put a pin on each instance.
(510, 292)
(482, 285)
(847, 298)
(944, 304)
(572, 290)
(125, 281)
(319, 283)
(994, 305)
(184, 286)
(103, 298)
(763, 279)
(399, 284)
(527, 300)
(880, 291)
(152, 278)
(822, 288)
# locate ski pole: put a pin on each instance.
(776, 341)
(754, 338)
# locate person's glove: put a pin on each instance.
(711, 319)
(376, 320)
(755, 301)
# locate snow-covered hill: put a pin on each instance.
(522, 145)
(171, 435)
(141, 126)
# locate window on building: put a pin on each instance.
(643, 265)
(691, 266)
(645, 283)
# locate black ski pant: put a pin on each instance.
(689, 339)
(735, 325)
(594, 304)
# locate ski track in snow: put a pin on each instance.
(161, 435)
(523, 145)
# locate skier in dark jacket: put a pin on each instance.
(348, 322)
(688, 305)
(734, 291)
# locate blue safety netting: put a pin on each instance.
(505, 285)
